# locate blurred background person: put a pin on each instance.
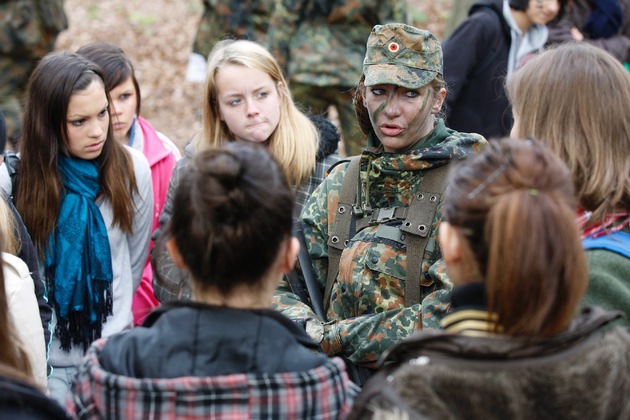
(603, 23)
(321, 45)
(242, 19)
(28, 30)
(495, 40)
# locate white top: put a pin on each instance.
(24, 313)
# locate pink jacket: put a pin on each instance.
(162, 161)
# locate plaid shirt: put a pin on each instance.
(321, 393)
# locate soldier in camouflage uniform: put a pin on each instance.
(28, 31)
(321, 45)
(233, 18)
(397, 99)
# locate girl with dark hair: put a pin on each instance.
(497, 37)
(133, 130)
(87, 203)
(513, 346)
(231, 230)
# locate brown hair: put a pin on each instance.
(231, 212)
(116, 66)
(576, 99)
(361, 112)
(56, 78)
(514, 204)
(295, 140)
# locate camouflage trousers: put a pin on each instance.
(317, 99)
(14, 74)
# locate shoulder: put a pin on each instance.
(139, 161)
(14, 267)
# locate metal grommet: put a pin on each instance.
(407, 224)
(334, 239)
(433, 199)
(342, 209)
(420, 196)
(346, 242)
(422, 228)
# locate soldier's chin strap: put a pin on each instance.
(415, 228)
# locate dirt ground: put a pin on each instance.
(157, 36)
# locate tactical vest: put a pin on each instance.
(415, 228)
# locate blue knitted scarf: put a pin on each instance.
(78, 259)
(605, 19)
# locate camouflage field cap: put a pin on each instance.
(402, 55)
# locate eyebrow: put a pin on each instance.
(84, 116)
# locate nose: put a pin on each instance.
(251, 108)
(96, 129)
(391, 107)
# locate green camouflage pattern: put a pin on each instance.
(402, 55)
(231, 18)
(28, 31)
(367, 312)
(322, 43)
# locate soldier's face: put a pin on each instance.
(400, 116)
(87, 121)
(249, 102)
(123, 109)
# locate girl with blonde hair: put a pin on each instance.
(247, 98)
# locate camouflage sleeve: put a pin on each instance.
(394, 11)
(364, 338)
(315, 225)
(283, 24)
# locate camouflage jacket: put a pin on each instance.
(367, 312)
(237, 18)
(322, 42)
(29, 28)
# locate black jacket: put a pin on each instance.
(475, 67)
(192, 339)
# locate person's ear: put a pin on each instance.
(439, 96)
(450, 244)
(287, 261)
(176, 256)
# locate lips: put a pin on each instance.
(391, 130)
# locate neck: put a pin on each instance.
(243, 296)
(522, 21)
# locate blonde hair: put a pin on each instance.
(295, 140)
(8, 229)
(576, 99)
